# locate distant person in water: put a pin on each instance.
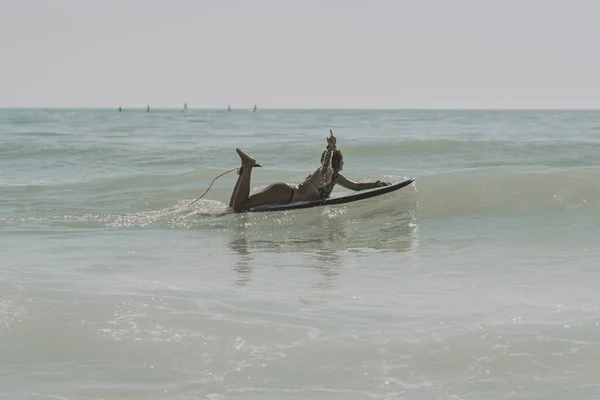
(120, 109)
(148, 109)
(229, 107)
(254, 108)
(316, 186)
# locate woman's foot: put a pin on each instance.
(247, 161)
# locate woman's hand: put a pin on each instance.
(331, 140)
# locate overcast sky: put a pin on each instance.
(300, 54)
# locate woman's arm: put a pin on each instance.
(326, 158)
(348, 184)
(327, 155)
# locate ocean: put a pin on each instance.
(478, 281)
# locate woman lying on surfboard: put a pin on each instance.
(318, 185)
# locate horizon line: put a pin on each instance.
(299, 108)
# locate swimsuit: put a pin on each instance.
(326, 158)
(293, 191)
(326, 190)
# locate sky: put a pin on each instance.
(391, 54)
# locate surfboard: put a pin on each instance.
(340, 199)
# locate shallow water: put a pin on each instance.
(477, 281)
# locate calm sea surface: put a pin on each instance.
(479, 281)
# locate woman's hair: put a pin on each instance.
(336, 160)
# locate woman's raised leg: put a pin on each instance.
(278, 193)
(235, 188)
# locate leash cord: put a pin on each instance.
(213, 181)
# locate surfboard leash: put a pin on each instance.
(213, 181)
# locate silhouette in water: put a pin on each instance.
(148, 109)
(120, 109)
(254, 108)
(185, 107)
(229, 107)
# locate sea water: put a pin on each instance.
(478, 281)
